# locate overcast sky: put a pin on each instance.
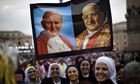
(15, 14)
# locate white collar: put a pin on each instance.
(58, 82)
(90, 33)
(86, 75)
(76, 82)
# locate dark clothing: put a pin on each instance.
(77, 83)
(29, 82)
(50, 81)
(107, 82)
(20, 82)
(88, 80)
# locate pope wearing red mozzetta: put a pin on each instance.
(49, 40)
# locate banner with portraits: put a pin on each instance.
(71, 28)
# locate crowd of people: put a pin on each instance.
(81, 69)
(95, 68)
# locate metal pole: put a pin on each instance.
(61, 1)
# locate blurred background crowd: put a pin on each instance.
(14, 70)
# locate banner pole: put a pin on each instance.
(61, 1)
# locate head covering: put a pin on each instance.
(111, 66)
(26, 73)
(49, 70)
(67, 71)
(77, 59)
(81, 61)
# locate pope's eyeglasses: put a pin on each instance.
(90, 15)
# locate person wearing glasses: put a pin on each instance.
(97, 31)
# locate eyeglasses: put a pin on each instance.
(31, 71)
(90, 15)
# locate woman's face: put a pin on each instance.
(55, 71)
(85, 67)
(72, 73)
(101, 72)
(32, 74)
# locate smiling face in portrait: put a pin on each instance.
(101, 72)
(55, 71)
(32, 74)
(52, 22)
(91, 17)
(85, 67)
(72, 73)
